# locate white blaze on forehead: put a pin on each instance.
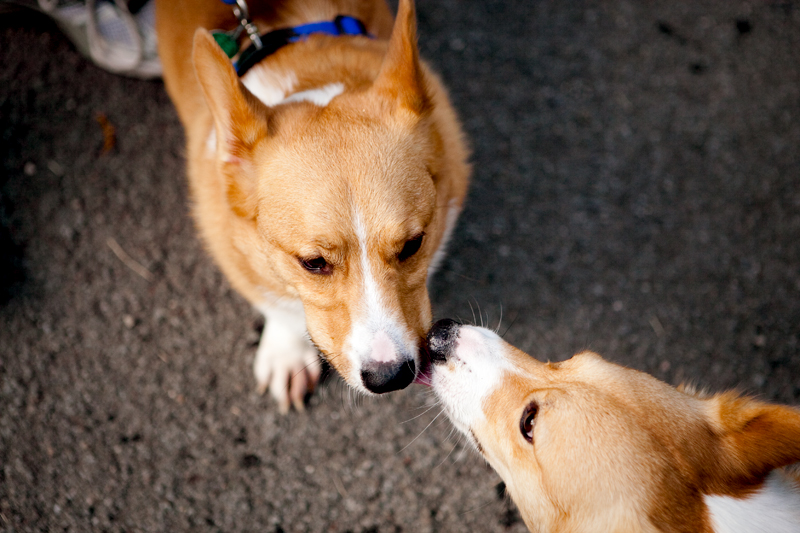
(377, 334)
(375, 309)
(474, 369)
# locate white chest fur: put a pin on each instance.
(773, 509)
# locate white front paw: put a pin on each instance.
(286, 364)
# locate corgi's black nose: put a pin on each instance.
(442, 339)
(388, 377)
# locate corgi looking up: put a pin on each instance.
(325, 182)
(589, 446)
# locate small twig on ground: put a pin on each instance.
(129, 261)
(338, 484)
(655, 323)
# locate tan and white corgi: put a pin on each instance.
(325, 183)
(589, 446)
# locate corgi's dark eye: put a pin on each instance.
(316, 265)
(411, 247)
(528, 420)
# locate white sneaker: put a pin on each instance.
(106, 32)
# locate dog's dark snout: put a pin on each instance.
(442, 339)
(387, 377)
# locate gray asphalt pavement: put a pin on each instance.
(636, 192)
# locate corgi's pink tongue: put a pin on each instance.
(423, 379)
(424, 374)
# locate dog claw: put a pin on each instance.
(283, 406)
(299, 406)
(289, 377)
(297, 390)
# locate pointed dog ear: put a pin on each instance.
(240, 120)
(401, 79)
(755, 438)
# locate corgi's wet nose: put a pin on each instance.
(380, 377)
(442, 339)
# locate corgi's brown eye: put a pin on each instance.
(410, 247)
(316, 265)
(528, 420)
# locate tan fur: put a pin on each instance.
(284, 182)
(616, 450)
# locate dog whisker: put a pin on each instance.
(478, 508)
(513, 320)
(480, 313)
(422, 413)
(446, 457)
(458, 444)
(355, 399)
(421, 432)
(462, 276)
(303, 369)
(425, 406)
(499, 322)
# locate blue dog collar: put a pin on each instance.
(272, 41)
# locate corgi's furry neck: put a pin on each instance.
(774, 508)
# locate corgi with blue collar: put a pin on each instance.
(588, 446)
(327, 169)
